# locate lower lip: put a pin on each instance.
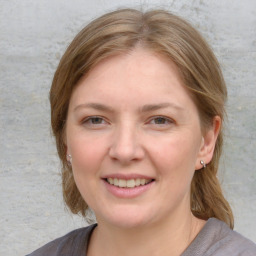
(128, 192)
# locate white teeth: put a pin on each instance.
(116, 183)
(127, 183)
(130, 183)
(122, 183)
(137, 182)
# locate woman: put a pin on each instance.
(137, 106)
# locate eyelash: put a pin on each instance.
(89, 121)
(166, 119)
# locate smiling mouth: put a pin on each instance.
(131, 183)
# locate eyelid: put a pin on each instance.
(170, 120)
(85, 121)
(88, 118)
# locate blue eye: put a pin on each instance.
(94, 120)
(161, 121)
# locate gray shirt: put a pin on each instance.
(216, 238)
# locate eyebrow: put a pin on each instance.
(153, 107)
(145, 108)
(96, 106)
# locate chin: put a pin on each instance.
(127, 218)
(129, 223)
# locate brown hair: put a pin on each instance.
(164, 33)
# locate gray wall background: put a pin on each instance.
(33, 36)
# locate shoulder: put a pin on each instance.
(73, 243)
(217, 239)
(233, 243)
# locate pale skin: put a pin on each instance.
(132, 116)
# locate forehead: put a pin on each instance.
(144, 61)
(137, 76)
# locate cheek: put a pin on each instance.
(87, 154)
(176, 155)
(87, 157)
(175, 164)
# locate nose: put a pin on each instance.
(125, 146)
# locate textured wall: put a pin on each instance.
(33, 36)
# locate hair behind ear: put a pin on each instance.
(206, 195)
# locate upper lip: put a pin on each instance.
(127, 176)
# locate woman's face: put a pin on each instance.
(131, 122)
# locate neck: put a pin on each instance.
(170, 237)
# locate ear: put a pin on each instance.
(208, 143)
(68, 155)
(64, 137)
